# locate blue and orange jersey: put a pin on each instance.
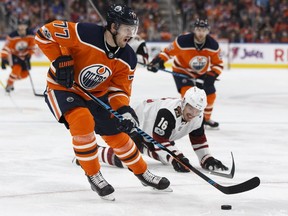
(189, 59)
(93, 70)
(19, 46)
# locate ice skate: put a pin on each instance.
(101, 186)
(210, 124)
(9, 88)
(156, 182)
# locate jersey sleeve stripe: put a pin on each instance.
(42, 41)
(117, 95)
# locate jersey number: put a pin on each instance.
(64, 28)
(163, 124)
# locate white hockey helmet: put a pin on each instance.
(196, 98)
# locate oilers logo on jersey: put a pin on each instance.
(21, 45)
(198, 62)
(94, 75)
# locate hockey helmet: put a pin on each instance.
(121, 14)
(23, 22)
(201, 23)
(196, 98)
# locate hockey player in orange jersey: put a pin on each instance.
(196, 55)
(98, 59)
(17, 52)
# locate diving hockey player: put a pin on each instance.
(168, 120)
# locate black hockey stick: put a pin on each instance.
(32, 84)
(178, 74)
(28, 67)
(234, 189)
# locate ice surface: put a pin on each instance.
(37, 176)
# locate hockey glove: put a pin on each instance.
(27, 62)
(210, 78)
(178, 167)
(140, 142)
(64, 70)
(129, 121)
(156, 64)
(212, 164)
(4, 62)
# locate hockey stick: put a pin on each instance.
(1, 83)
(178, 74)
(32, 84)
(234, 189)
(98, 13)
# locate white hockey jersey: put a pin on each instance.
(162, 119)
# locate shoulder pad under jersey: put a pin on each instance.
(13, 34)
(30, 32)
(185, 40)
(211, 43)
(94, 34)
(91, 33)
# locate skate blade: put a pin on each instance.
(168, 189)
(207, 127)
(108, 197)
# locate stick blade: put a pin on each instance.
(243, 187)
(225, 175)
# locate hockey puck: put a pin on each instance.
(226, 207)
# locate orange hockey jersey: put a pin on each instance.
(190, 60)
(18, 46)
(93, 70)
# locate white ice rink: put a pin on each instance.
(37, 177)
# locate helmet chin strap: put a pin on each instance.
(110, 53)
(114, 36)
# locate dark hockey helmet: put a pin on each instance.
(23, 22)
(121, 14)
(201, 23)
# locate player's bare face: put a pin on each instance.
(190, 112)
(125, 33)
(200, 34)
(22, 29)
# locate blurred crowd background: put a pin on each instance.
(240, 21)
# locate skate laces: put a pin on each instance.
(98, 180)
(148, 176)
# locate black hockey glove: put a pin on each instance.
(129, 121)
(178, 166)
(4, 62)
(210, 78)
(27, 61)
(64, 70)
(140, 142)
(212, 164)
(156, 64)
